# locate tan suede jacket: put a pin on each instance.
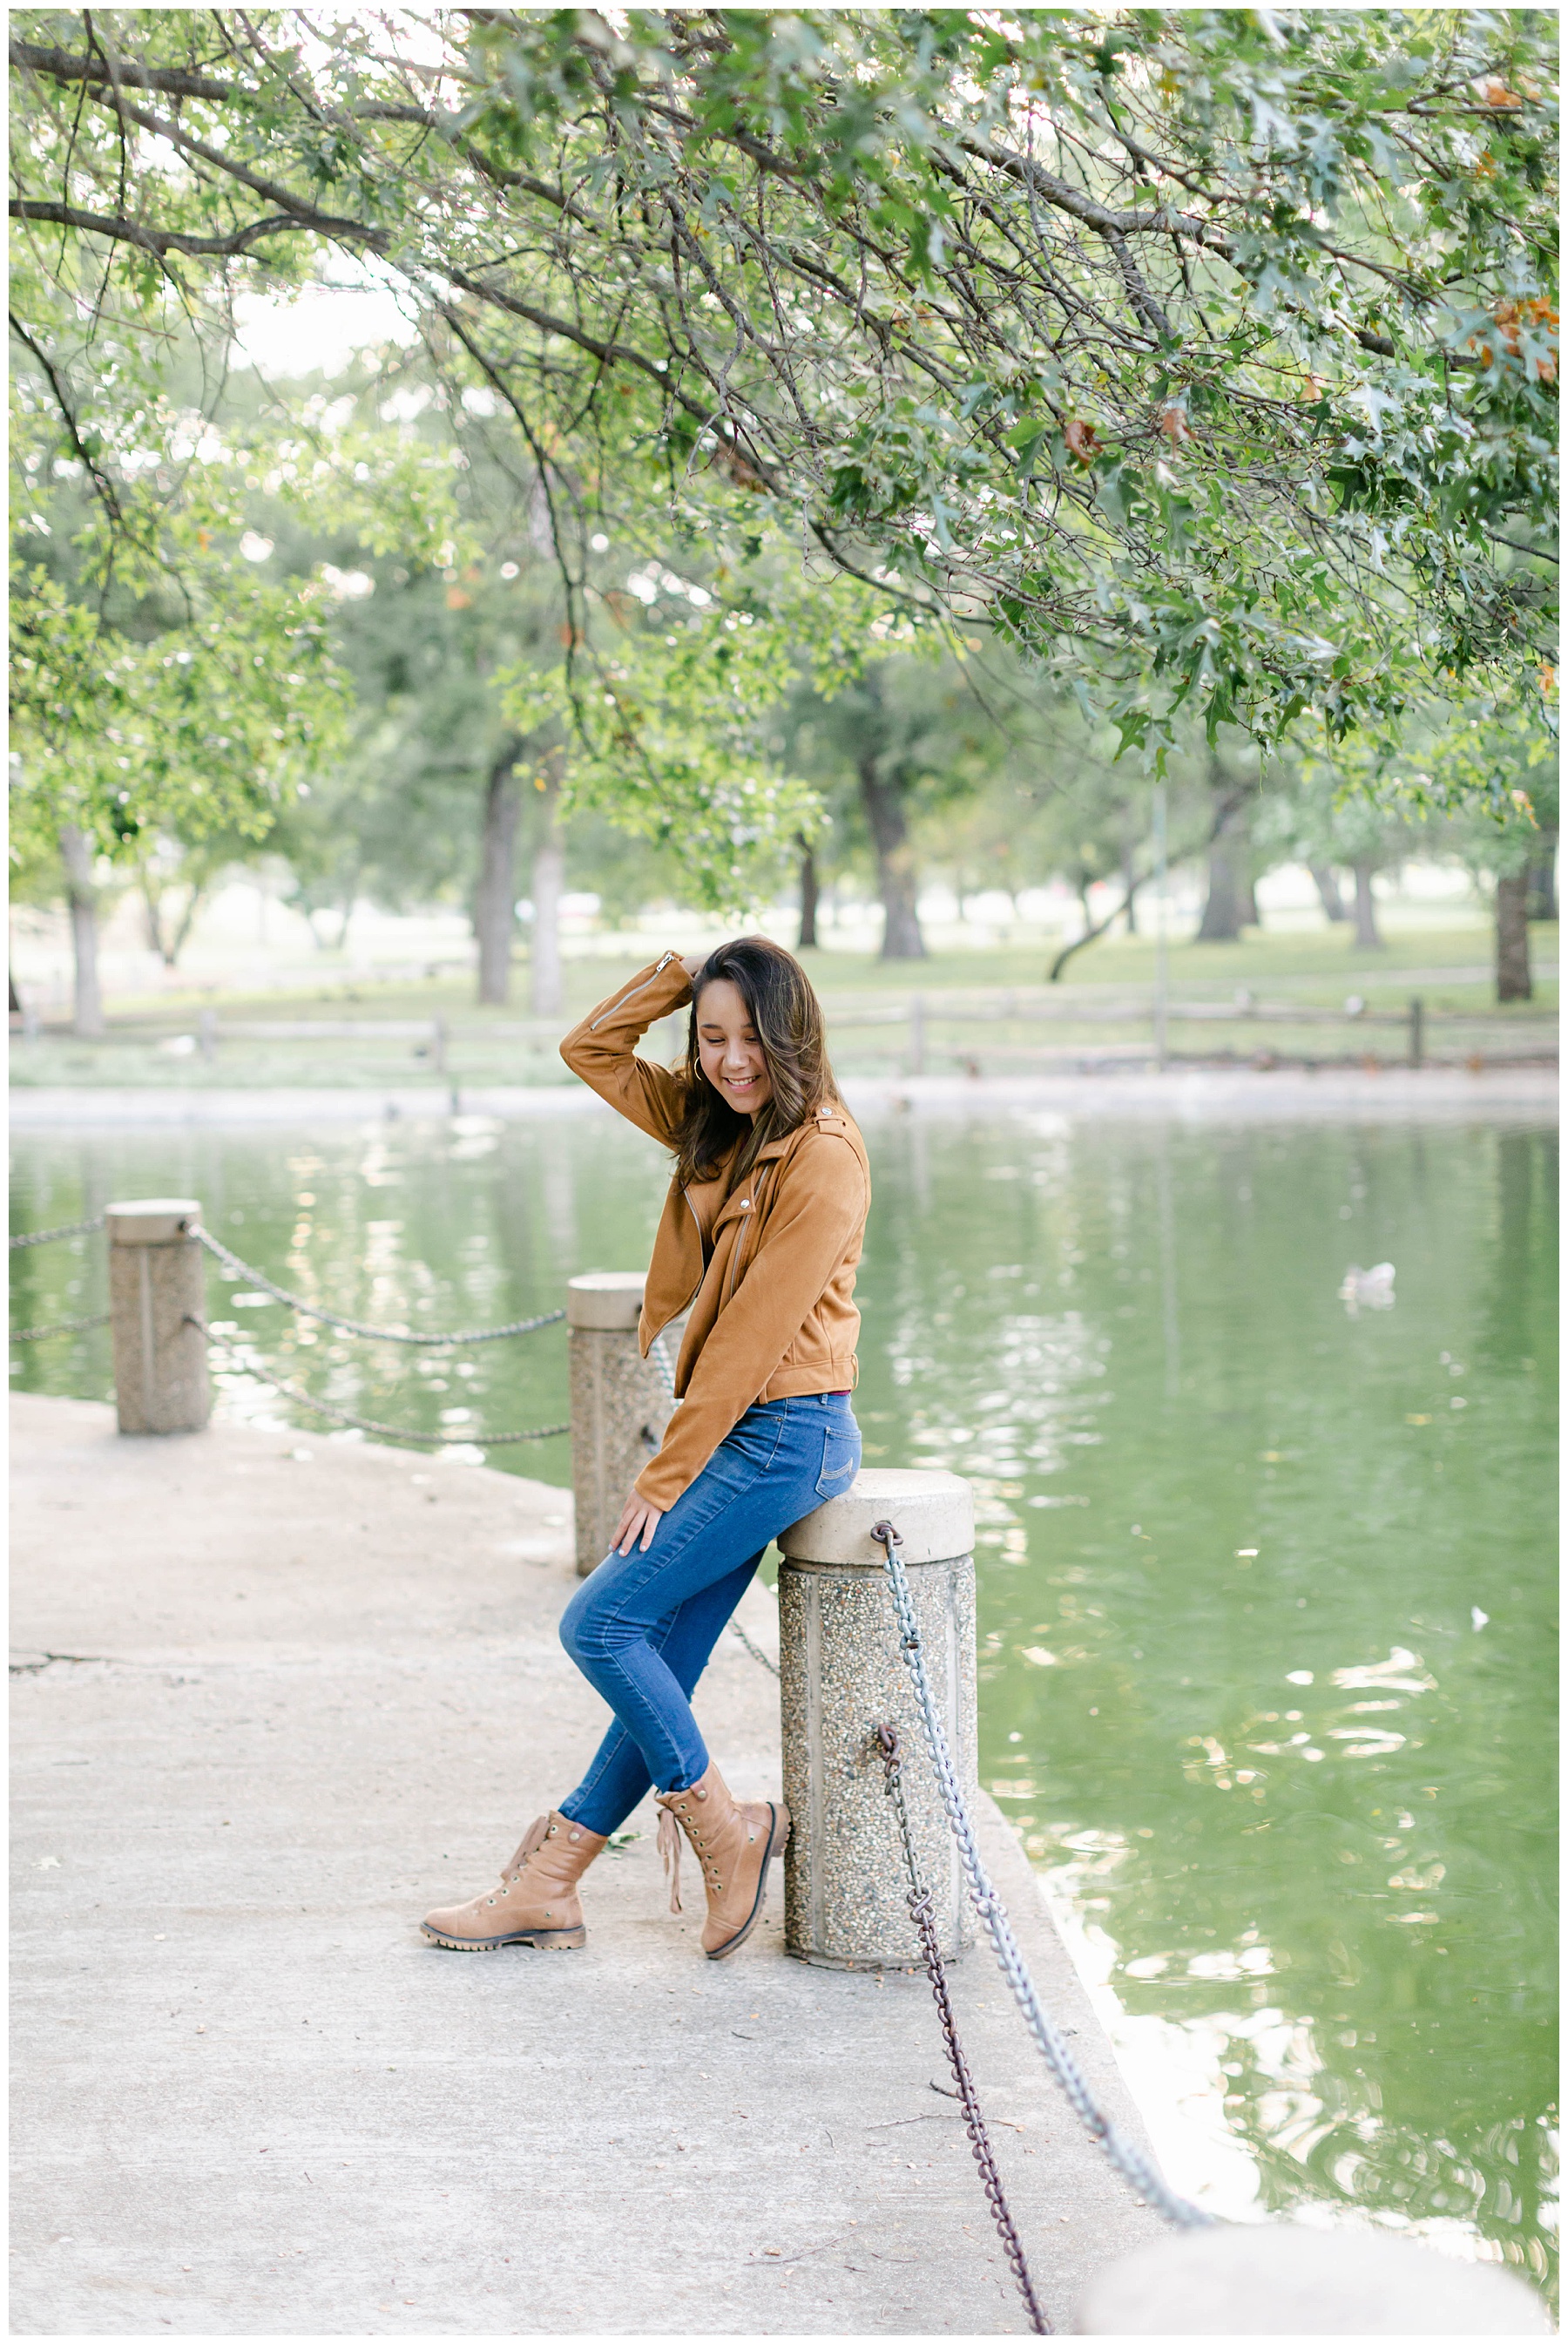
(766, 1265)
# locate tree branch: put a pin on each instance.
(160, 241)
(61, 66)
(104, 487)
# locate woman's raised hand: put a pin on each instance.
(636, 1516)
(692, 962)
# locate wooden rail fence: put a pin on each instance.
(953, 1026)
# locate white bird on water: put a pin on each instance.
(1368, 1289)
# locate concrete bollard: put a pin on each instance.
(842, 1674)
(157, 1287)
(1282, 2279)
(619, 1404)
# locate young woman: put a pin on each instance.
(759, 1241)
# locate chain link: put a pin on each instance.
(1130, 2161)
(216, 1248)
(368, 1424)
(919, 1904)
(755, 1649)
(48, 1237)
(61, 1327)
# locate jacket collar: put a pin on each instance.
(767, 1154)
(792, 1139)
(743, 1193)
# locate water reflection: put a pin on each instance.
(1171, 1325)
(1264, 1747)
(1266, 1590)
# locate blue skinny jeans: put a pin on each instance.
(641, 1626)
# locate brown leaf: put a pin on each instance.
(1080, 437)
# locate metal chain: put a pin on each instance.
(755, 1649)
(385, 1432)
(61, 1327)
(919, 1904)
(48, 1237)
(1129, 2160)
(216, 1247)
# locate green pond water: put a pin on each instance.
(1267, 1581)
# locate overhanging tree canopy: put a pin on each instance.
(1211, 354)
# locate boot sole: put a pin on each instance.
(778, 1841)
(545, 1941)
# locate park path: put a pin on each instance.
(301, 1690)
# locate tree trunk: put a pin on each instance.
(168, 944)
(1543, 870)
(171, 946)
(350, 897)
(152, 906)
(1367, 938)
(896, 879)
(77, 857)
(548, 993)
(1326, 882)
(1513, 937)
(808, 894)
(1132, 915)
(1224, 906)
(495, 907)
(196, 898)
(1251, 917)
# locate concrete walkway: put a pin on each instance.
(277, 1695)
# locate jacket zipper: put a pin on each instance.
(624, 997)
(697, 1288)
(747, 1206)
(675, 1314)
(735, 1255)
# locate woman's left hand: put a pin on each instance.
(636, 1515)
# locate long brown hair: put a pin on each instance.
(788, 1019)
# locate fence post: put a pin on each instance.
(620, 1406)
(207, 1035)
(157, 1308)
(438, 1044)
(1417, 1029)
(917, 1033)
(842, 1674)
(1253, 2278)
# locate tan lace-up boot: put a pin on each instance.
(733, 1844)
(536, 1903)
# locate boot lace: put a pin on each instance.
(533, 1837)
(668, 1845)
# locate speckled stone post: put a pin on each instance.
(619, 1405)
(157, 1307)
(842, 1675)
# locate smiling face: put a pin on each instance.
(729, 1050)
